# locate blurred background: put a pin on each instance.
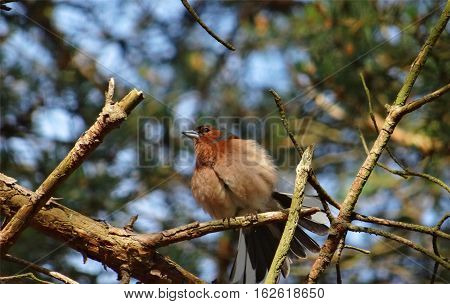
(55, 61)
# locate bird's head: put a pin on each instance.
(204, 133)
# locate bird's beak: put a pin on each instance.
(191, 134)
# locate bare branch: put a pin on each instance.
(56, 275)
(129, 226)
(357, 249)
(421, 58)
(338, 259)
(312, 179)
(416, 104)
(17, 278)
(110, 92)
(375, 125)
(401, 240)
(111, 246)
(111, 116)
(436, 248)
(196, 229)
(405, 173)
(203, 25)
(303, 169)
(396, 224)
(340, 225)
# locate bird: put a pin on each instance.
(234, 177)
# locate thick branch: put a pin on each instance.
(111, 116)
(339, 227)
(303, 169)
(51, 273)
(196, 229)
(97, 240)
(203, 25)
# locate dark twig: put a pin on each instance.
(203, 25)
(406, 173)
(129, 226)
(374, 122)
(312, 179)
(338, 259)
(51, 273)
(436, 248)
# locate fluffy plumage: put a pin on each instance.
(234, 177)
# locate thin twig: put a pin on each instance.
(417, 103)
(203, 25)
(129, 226)
(436, 248)
(406, 172)
(312, 179)
(357, 249)
(338, 259)
(17, 277)
(374, 122)
(301, 179)
(402, 225)
(56, 275)
(111, 116)
(401, 240)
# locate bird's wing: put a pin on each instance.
(247, 171)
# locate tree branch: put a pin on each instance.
(312, 179)
(16, 279)
(421, 58)
(97, 240)
(196, 229)
(416, 104)
(435, 246)
(396, 112)
(121, 249)
(111, 116)
(396, 224)
(303, 169)
(203, 25)
(401, 240)
(406, 173)
(56, 275)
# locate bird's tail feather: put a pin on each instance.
(257, 246)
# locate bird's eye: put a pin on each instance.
(206, 129)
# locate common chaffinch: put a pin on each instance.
(235, 177)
